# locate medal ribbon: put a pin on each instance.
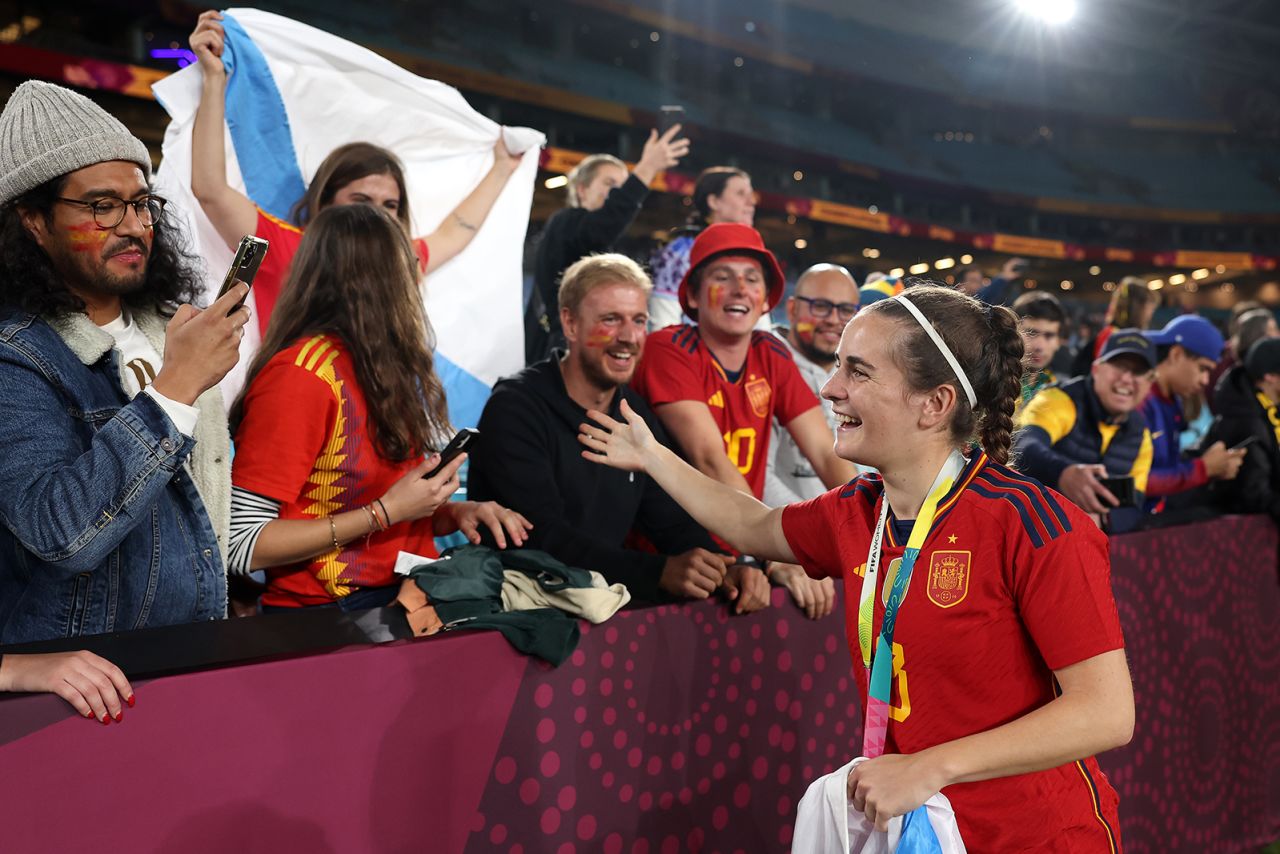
(880, 668)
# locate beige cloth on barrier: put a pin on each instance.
(595, 604)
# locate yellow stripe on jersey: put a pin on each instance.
(283, 224)
(317, 353)
(1053, 411)
(317, 356)
(1142, 464)
(1095, 801)
(716, 399)
(306, 348)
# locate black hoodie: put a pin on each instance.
(529, 459)
(1240, 415)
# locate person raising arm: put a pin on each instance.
(356, 173)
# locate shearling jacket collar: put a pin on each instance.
(211, 458)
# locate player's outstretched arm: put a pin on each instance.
(744, 522)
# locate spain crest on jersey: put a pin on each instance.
(758, 393)
(948, 578)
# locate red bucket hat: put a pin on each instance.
(731, 238)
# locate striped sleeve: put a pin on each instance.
(250, 513)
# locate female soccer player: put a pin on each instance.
(998, 669)
(340, 406)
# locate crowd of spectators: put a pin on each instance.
(127, 507)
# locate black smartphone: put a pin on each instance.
(669, 116)
(244, 267)
(1246, 443)
(464, 439)
(1122, 489)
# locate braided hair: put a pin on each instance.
(985, 341)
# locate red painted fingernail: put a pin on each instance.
(106, 719)
(130, 701)
(119, 716)
(89, 716)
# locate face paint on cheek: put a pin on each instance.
(804, 328)
(715, 296)
(86, 237)
(600, 336)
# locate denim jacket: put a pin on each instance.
(105, 507)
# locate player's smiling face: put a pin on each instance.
(731, 296)
(876, 420)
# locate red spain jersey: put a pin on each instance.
(305, 442)
(284, 238)
(1012, 583)
(678, 366)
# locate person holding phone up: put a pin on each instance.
(1077, 434)
(116, 463)
(337, 423)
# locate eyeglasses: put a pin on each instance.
(108, 212)
(822, 307)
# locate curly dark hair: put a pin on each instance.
(29, 282)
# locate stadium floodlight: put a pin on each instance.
(1050, 11)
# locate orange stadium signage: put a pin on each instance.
(848, 215)
(1238, 260)
(1015, 245)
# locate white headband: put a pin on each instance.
(942, 348)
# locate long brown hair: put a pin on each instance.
(345, 164)
(355, 277)
(985, 341)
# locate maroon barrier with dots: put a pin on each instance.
(671, 729)
(679, 729)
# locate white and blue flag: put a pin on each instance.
(294, 94)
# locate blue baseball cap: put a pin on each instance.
(1192, 333)
(1125, 342)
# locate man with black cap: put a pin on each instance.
(1087, 429)
(1248, 401)
(718, 385)
(117, 462)
(1187, 349)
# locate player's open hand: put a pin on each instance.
(625, 446)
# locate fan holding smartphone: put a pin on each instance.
(250, 254)
(335, 472)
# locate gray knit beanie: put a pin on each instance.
(47, 131)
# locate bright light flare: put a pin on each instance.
(1049, 11)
